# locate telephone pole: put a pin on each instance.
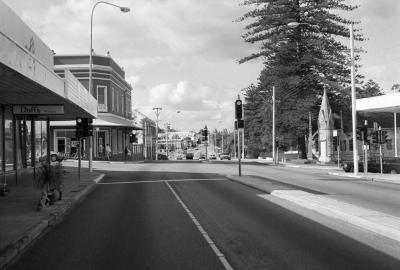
(157, 109)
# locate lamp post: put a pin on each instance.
(157, 109)
(123, 9)
(353, 90)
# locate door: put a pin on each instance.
(101, 138)
(61, 145)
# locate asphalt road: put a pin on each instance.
(133, 220)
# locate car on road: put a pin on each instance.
(202, 157)
(389, 165)
(213, 156)
(189, 155)
(226, 156)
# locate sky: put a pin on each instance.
(182, 55)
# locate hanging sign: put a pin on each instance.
(38, 109)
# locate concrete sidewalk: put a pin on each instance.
(21, 223)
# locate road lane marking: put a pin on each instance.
(208, 239)
(162, 181)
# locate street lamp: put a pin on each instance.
(123, 9)
(353, 90)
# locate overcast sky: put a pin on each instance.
(182, 55)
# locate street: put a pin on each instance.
(190, 216)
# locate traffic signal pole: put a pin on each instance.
(239, 116)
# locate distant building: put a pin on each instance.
(114, 120)
(146, 144)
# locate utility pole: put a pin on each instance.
(273, 125)
(310, 138)
(395, 130)
(157, 109)
(166, 141)
(353, 102)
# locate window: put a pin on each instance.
(117, 102)
(113, 99)
(351, 145)
(102, 98)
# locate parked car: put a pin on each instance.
(189, 155)
(202, 157)
(54, 156)
(389, 165)
(162, 156)
(213, 156)
(225, 156)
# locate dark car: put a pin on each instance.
(225, 156)
(389, 165)
(189, 155)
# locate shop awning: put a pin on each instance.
(102, 121)
(385, 103)
(113, 121)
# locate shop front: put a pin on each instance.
(31, 95)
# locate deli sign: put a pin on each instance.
(38, 109)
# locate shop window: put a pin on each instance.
(120, 141)
(102, 98)
(1, 137)
(23, 142)
(40, 140)
(9, 139)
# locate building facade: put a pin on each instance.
(31, 95)
(114, 121)
(146, 138)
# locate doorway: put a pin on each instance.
(101, 138)
(61, 145)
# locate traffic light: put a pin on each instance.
(359, 136)
(365, 133)
(375, 137)
(89, 127)
(205, 130)
(80, 128)
(132, 138)
(384, 137)
(238, 109)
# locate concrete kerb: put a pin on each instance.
(29, 236)
(367, 177)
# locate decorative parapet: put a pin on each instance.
(77, 94)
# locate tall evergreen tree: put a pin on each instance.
(299, 61)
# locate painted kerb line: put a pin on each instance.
(213, 246)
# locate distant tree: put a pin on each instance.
(369, 89)
(395, 87)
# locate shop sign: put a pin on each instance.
(38, 109)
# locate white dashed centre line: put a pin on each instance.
(210, 242)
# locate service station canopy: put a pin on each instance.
(385, 103)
